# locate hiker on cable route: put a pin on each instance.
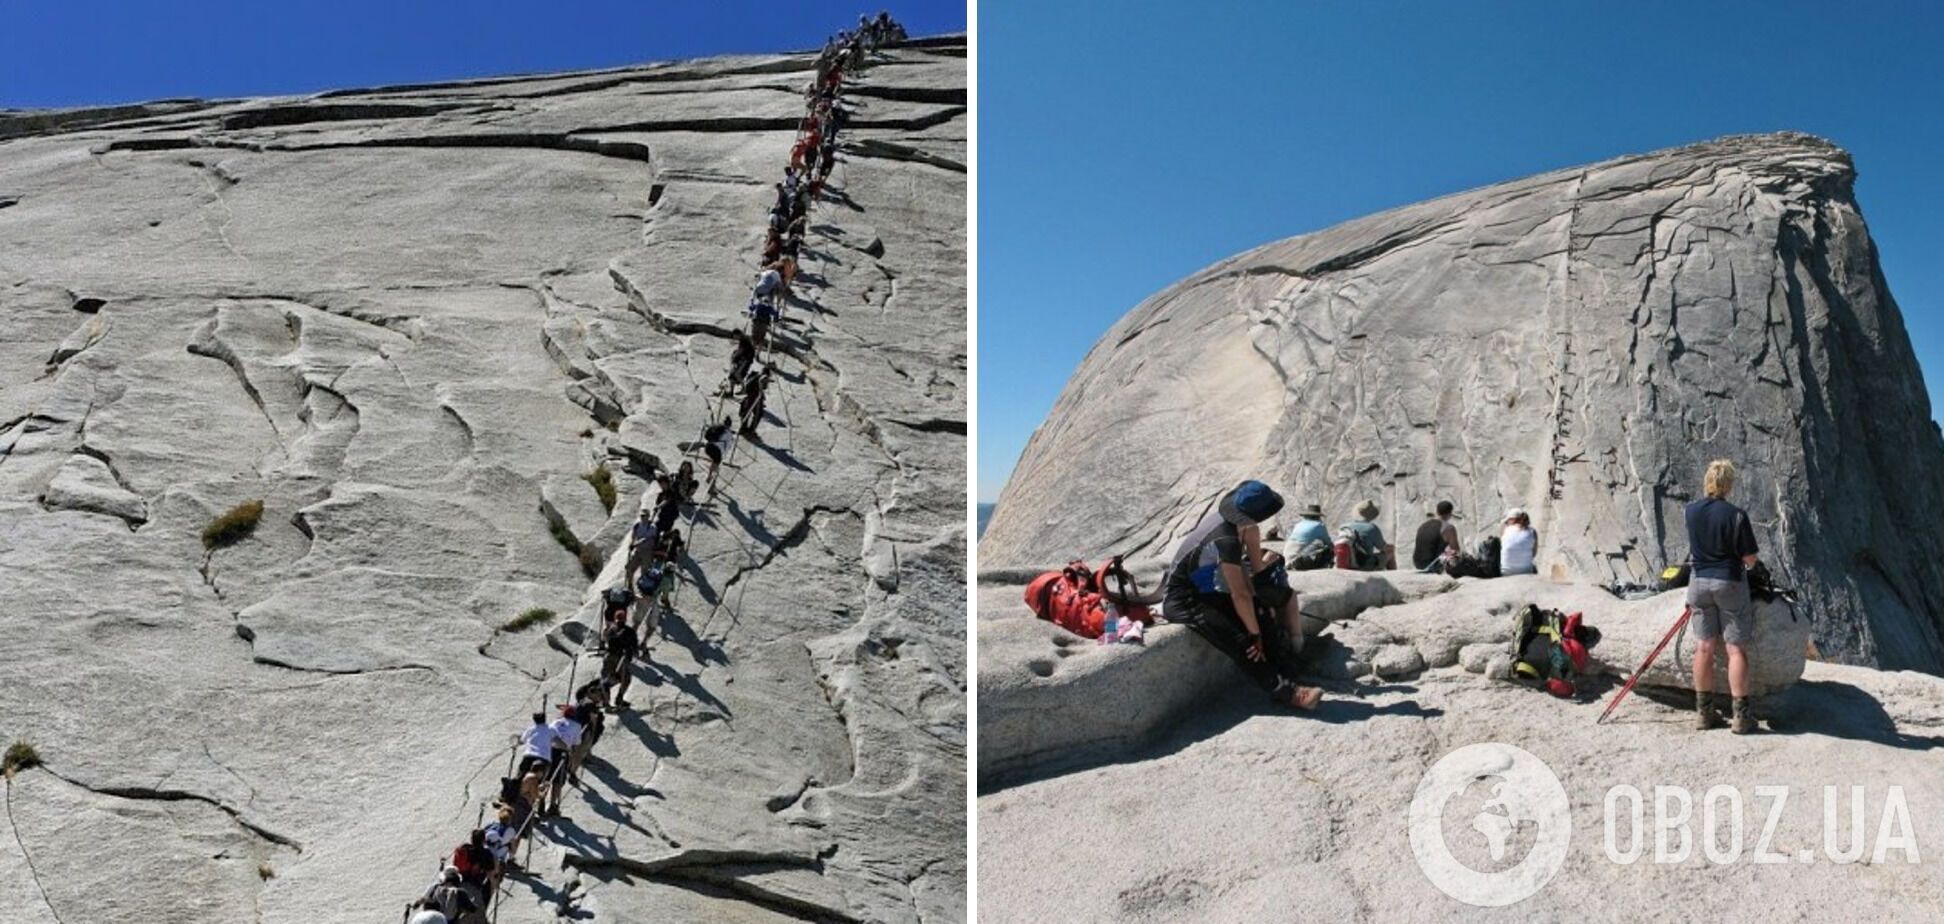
(537, 745)
(1435, 536)
(761, 315)
(716, 439)
(620, 647)
(769, 283)
(1211, 589)
(567, 730)
(449, 898)
(752, 403)
(503, 837)
(1721, 549)
(642, 539)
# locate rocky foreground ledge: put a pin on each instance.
(1181, 793)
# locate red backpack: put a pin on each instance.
(1075, 598)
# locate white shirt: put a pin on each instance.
(768, 282)
(1516, 550)
(567, 730)
(539, 741)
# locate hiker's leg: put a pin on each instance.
(1218, 625)
(1737, 671)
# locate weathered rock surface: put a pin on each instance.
(410, 320)
(1579, 343)
(1169, 790)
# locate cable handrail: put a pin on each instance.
(841, 58)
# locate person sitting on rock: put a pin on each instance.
(619, 646)
(1721, 550)
(1518, 544)
(716, 441)
(1369, 551)
(1210, 589)
(1436, 536)
(1308, 546)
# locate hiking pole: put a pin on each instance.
(1686, 611)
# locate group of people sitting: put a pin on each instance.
(551, 751)
(1360, 545)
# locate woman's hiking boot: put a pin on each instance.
(1744, 722)
(1706, 713)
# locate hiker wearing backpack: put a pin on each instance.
(761, 315)
(1721, 550)
(1436, 537)
(1368, 549)
(752, 404)
(503, 837)
(1210, 589)
(620, 647)
(1308, 546)
(537, 745)
(449, 897)
(1518, 545)
(716, 440)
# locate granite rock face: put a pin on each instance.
(410, 320)
(1579, 343)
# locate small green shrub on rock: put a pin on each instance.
(232, 527)
(603, 482)
(528, 619)
(20, 756)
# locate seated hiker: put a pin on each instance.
(449, 897)
(716, 441)
(503, 837)
(1210, 590)
(473, 861)
(1368, 549)
(1436, 536)
(752, 404)
(620, 646)
(1308, 547)
(1518, 544)
(537, 744)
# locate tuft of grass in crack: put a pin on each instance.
(232, 527)
(527, 620)
(590, 557)
(20, 755)
(603, 482)
(265, 872)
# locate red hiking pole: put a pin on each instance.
(1686, 611)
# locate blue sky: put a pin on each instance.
(84, 52)
(1123, 146)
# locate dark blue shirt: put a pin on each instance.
(1718, 537)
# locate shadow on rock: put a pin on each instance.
(1839, 710)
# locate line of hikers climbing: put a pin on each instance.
(1234, 593)
(551, 750)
